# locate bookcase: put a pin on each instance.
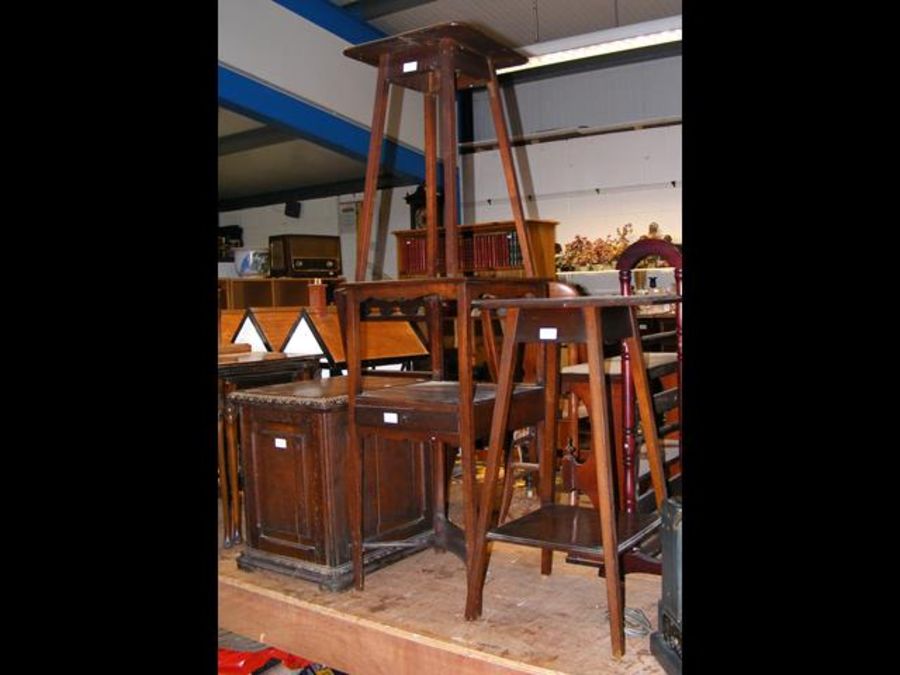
(485, 249)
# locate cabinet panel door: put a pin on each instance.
(397, 488)
(286, 512)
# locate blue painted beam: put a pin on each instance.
(372, 9)
(256, 99)
(334, 19)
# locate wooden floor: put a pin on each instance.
(410, 617)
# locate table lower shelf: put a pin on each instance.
(573, 528)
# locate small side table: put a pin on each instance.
(437, 61)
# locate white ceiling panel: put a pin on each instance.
(283, 166)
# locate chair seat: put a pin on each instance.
(433, 406)
(613, 365)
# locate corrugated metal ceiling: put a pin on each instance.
(524, 22)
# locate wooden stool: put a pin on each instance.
(553, 526)
(437, 61)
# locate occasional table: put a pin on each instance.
(550, 322)
(438, 61)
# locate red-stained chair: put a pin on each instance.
(664, 373)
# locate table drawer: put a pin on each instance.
(408, 419)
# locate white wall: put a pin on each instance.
(605, 97)
(320, 216)
(272, 44)
(632, 170)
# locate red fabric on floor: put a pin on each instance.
(244, 663)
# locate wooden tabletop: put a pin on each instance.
(428, 38)
(577, 302)
(440, 393)
(261, 362)
(324, 394)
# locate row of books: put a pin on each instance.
(416, 256)
(476, 252)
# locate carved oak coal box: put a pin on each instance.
(293, 446)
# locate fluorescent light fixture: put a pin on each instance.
(633, 36)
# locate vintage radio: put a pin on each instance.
(304, 255)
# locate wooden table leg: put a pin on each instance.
(603, 455)
(503, 396)
(431, 204)
(232, 442)
(355, 503)
(439, 491)
(223, 483)
(546, 437)
(504, 149)
(447, 103)
(655, 457)
(376, 135)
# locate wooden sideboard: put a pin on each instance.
(244, 292)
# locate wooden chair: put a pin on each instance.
(438, 412)
(628, 261)
(634, 492)
(594, 320)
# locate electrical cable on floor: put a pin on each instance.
(636, 622)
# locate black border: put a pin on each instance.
(765, 374)
(133, 109)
